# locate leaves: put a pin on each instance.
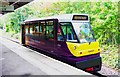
(103, 16)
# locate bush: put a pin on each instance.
(109, 56)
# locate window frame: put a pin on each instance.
(55, 24)
(60, 32)
(73, 32)
(90, 30)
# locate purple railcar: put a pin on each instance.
(68, 37)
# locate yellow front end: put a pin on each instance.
(83, 49)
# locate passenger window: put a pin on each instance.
(26, 30)
(59, 35)
(31, 29)
(49, 32)
(37, 29)
(40, 28)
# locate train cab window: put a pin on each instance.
(68, 31)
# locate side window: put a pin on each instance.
(34, 28)
(42, 27)
(49, 30)
(68, 32)
(37, 29)
(26, 30)
(31, 29)
(59, 34)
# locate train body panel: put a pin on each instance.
(51, 46)
(85, 49)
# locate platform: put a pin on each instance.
(47, 65)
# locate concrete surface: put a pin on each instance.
(12, 64)
(36, 62)
(0, 59)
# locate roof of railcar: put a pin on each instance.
(61, 18)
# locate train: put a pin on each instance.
(69, 37)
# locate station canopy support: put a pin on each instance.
(7, 6)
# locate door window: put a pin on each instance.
(59, 34)
(68, 31)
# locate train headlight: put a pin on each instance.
(74, 48)
(77, 53)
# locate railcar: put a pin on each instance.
(67, 36)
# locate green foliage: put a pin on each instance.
(103, 18)
(109, 56)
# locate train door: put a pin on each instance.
(62, 36)
(50, 35)
(22, 34)
(60, 45)
(27, 31)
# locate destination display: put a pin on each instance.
(80, 17)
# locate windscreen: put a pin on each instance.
(83, 31)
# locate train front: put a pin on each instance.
(82, 44)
